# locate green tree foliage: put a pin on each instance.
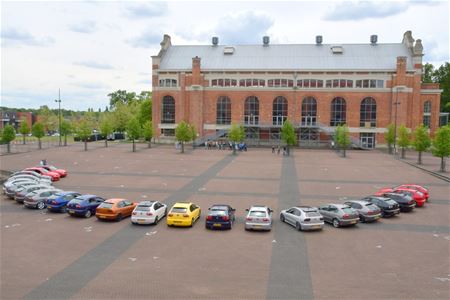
(404, 139)
(66, 129)
(183, 134)
(145, 111)
(38, 131)
(440, 75)
(288, 135)
(121, 96)
(427, 75)
(106, 127)
(134, 131)
(24, 129)
(47, 118)
(343, 138)
(84, 131)
(441, 144)
(8, 135)
(389, 136)
(147, 132)
(236, 134)
(422, 141)
(121, 115)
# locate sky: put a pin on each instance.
(89, 49)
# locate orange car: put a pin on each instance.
(115, 209)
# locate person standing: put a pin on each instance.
(273, 149)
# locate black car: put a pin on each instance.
(220, 216)
(387, 206)
(405, 201)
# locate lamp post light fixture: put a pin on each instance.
(59, 115)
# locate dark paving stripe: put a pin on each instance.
(239, 194)
(406, 227)
(374, 182)
(289, 276)
(74, 277)
(100, 188)
(131, 174)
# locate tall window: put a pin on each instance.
(223, 110)
(309, 111)
(251, 111)
(279, 110)
(338, 111)
(427, 113)
(368, 113)
(168, 110)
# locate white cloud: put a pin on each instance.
(94, 65)
(354, 11)
(146, 10)
(83, 27)
(146, 39)
(13, 37)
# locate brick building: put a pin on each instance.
(316, 86)
(15, 118)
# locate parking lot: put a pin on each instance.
(54, 256)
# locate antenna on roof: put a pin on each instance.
(266, 40)
(319, 39)
(373, 39)
(215, 40)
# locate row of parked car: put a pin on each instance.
(33, 187)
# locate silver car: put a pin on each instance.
(302, 218)
(25, 190)
(29, 177)
(10, 190)
(258, 218)
(37, 199)
(368, 212)
(339, 214)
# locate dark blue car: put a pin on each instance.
(84, 205)
(58, 202)
(220, 216)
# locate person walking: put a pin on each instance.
(278, 150)
(273, 149)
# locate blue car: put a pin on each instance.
(58, 202)
(84, 205)
(220, 216)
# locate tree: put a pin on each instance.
(288, 135)
(84, 131)
(8, 135)
(427, 75)
(121, 96)
(145, 111)
(66, 129)
(404, 138)
(133, 131)
(183, 133)
(421, 141)
(441, 144)
(24, 129)
(147, 132)
(120, 117)
(389, 136)
(236, 134)
(343, 138)
(442, 76)
(106, 127)
(38, 131)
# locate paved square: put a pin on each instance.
(54, 256)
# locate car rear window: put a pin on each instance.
(371, 206)
(77, 201)
(347, 210)
(105, 205)
(143, 208)
(313, 214)
(260, 214)
(218, 212)
(180, 210)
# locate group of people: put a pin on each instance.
(224, 145)
(277, 149)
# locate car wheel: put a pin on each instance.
(383, 215)
(192, 222)
(362, 219)
(119, 218)
(40, 205)
(64, 209)
(156, 220)
(282, 218)
(298, 226)
(165, 212)
(87, 214)
(336, 223)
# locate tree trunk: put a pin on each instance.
(420, 158)
(85, 145)
(287, 150)
(39, 142)
(8, 147)
(403, 152)
(182, 147)
(390, 148)
(106, 143)
(134, 146)
(344, 153)
(150, 143)
(234, 148)
(442, 164)
(24, 139)
(65, 140)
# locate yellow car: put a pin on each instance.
(183, 214)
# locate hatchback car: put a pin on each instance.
(258, 218)
(31, 173)
(61, 172)
(418, 196)
(339, 215)
(37, 199)
(23, 192)
(148, 212)
(84, 205)
(416, 187)
(404, 200)
(183, 214)
(29, 177)
(58, 202)
(302, 218)
(115, 209)
(55, 176)
(220, 216)
(11, 189)
(368, 212)
(388, 206)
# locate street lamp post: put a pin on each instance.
(396, 103)
(59, 114)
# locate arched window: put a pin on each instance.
(427, 113)
(338, 111)
(368, 113)
(168, 110)
(223, 110)
(279, 110)
(251, 111)
(309, 111)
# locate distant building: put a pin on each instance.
(315, 86)
(14, 118)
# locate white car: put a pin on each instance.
(30, 177)
(302, 218)
(258, 218)
(148, 212)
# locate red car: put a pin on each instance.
(419, 197)
(55, 176)
(415, 187)
(61, 172)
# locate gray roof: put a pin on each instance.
(288, 57)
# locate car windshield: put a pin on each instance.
(51, 168)
(347, 210)
(106, 205)
(32, 193)
(142, 207)
(313, 214)
(180, 210)
(43, 170)
(258, 214)
(371, 206)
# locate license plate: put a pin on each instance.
(352, 222)
(257, 226)
(141, 220)
(49, 206)
(376, 217)
(217, 225)
(71, 211)
(315, 226)
(177, 221)
(101, 217)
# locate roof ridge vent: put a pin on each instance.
(374, 39)
(228, 50)
(319, 40)
(266, 40)
(337, 49)
(215, 40)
